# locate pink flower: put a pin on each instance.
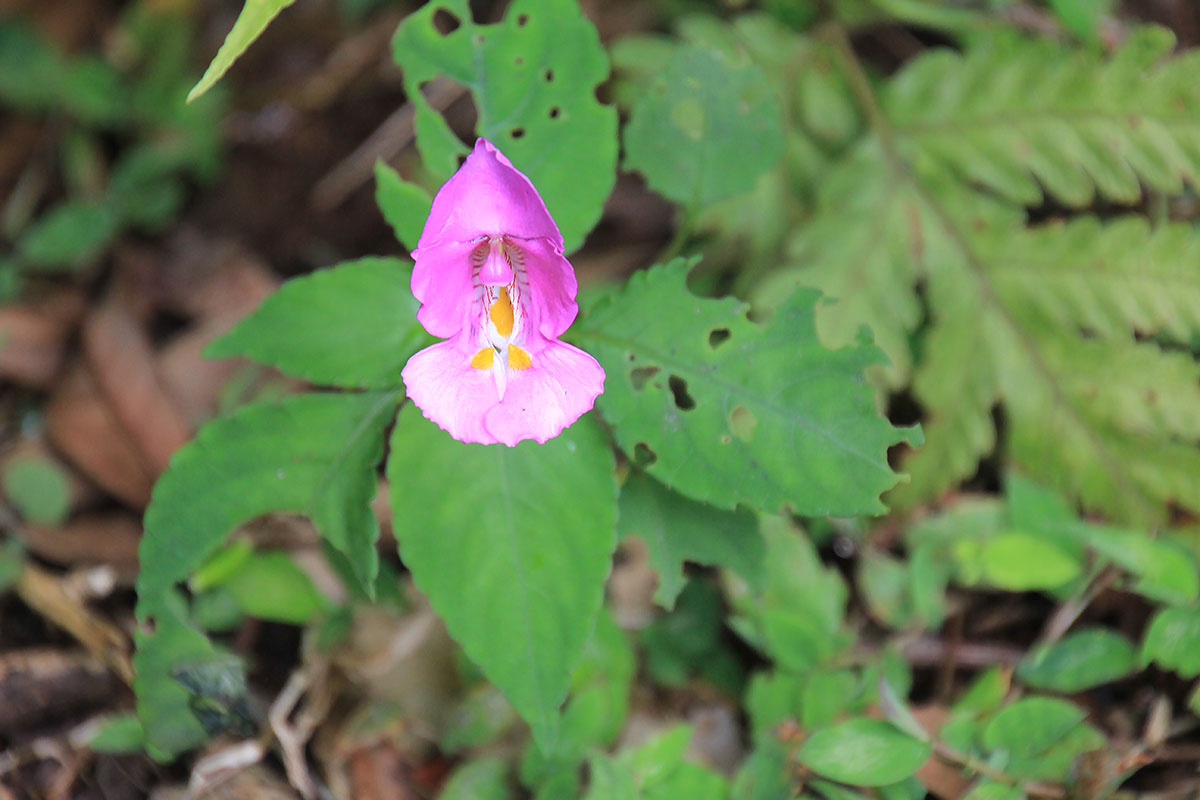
(492, 280)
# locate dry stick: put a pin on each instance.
(45, 594)
(393, 135)
(1066, 614)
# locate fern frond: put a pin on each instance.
(1016, 114)
(1108, 278)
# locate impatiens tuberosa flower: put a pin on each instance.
(492, 281)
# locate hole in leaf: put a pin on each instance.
(479, 39)
(522, 20)
(679, 388)
(554, 112)
(519, 60)
(445, 22)
(718, 337)
(638, 376)
(743, 422)
(549, 75)
(517, 133)
(643, 456)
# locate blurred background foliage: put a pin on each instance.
(1001, 194)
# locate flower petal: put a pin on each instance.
(561, 385)
(552, 286)
(488, 196)
(442, 383)
(441, 282)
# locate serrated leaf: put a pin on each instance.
(517, 573)
(1079, 661)
(251, 22)
(677, 530)
(863, 752)
(533, 77)
(404, 205)
(311, 454)
(1173, 640)
(727, 411)
(352, 325)
(706, 127)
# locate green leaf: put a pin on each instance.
(1164, 571)
(38, 488)
(353, 325)
(120, 733)
(270, 586)
(1079, 661)
(164, 706)
(864, 752)
(707, 127)
(728, 411)
(311, 454)
(1021, 562)
(1082, 16)
(677, 530)
(251, 22)
(656, 770)
(404, 205)
(533, 77)
(70, 235)
(12, 562)
(517, 572)
(1173, 640)
(1031, 726)
(483, 778)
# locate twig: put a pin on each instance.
(45, 594)
(969, 762)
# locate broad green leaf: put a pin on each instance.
(1031, 726)
(353, 325)
(311, 454)
(677, 529)
(38, 488)
(827, 695)
(1173, 640)
(251, 22)
(656, 770)
(485, 778)
(120, 733)
(270, 586)
(1021, 562)
(512, 547)
(727, 411)
(863, 752)
(1163, 570)
(69, 235)
(772, 698)
(164, 707)
(707, 127)
(1079, 661)
(533, 77)
(404, 205)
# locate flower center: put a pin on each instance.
(499, 274)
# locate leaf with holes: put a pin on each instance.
(707, 127)
(353, 325)
(534, 77)
(312, 454)
(512, 546)
(727, 411)
(677, 529)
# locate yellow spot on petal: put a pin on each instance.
(482, 359)
(502, 314)
(518, 358)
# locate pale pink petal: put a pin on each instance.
(442, 383)
(561, 385)
(552, 286)
(488, 196)
(441, 281)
